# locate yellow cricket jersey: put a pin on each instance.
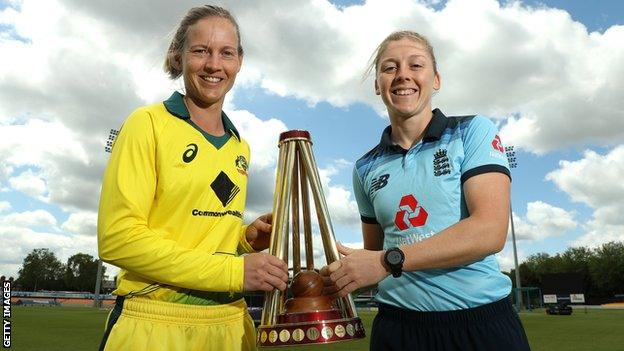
(171, 207)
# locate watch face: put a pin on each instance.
(394, 257)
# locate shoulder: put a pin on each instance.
(153, 116)
(368, 158)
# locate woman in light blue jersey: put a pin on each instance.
(433, 196)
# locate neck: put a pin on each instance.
(207, 117)
(407, 132)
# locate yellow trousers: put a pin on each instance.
(155, 325)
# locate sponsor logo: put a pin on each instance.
(241, 165)
(413, 238)
(224, 188)
(410, 214)
(497, 144)
(441, 164)
(190, 153)
(379, 182)
(200, 213)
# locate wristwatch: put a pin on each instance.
(394, 258)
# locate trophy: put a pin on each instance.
(308, 317)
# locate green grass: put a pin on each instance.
(595, 330)
(56, 328)
(81, 328)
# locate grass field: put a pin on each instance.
(80, 328)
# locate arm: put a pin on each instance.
(373, 236)
(482, 233)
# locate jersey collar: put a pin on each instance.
(433, 132)
(175, 105)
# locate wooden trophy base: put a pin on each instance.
(321, 331)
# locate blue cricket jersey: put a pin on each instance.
(414, 194)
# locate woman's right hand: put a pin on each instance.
(264, 272)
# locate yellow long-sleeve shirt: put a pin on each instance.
(171, 205)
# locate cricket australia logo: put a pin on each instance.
(379, 182)
(410, 213)
(441, 164)
(241, 165)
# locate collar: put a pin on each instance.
(175, 105)
(433, 132)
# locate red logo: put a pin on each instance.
(497, 144)
(410, 214)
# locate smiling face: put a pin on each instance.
(210, 60)
(406, 78)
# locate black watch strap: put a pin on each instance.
(394, 258)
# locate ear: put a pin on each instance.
(436, 82)
(377, 92)
(176, 60)
(240, 63)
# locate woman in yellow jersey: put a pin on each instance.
(171, 207)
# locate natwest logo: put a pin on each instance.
(410, 214)
(497, 144)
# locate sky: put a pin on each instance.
(550, 74)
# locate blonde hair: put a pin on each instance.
(404, 34)
(179, 39)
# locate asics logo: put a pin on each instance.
(190, 153)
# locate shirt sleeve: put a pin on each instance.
(125, 238)
(243, 244)
(483, 149)
(367, 212)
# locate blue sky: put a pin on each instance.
(551, 79)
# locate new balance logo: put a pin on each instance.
(379, 182)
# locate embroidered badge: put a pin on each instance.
(241, 165)
(441, 164)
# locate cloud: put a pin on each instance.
(37, 218)
(542, 221)
(81, 223)
(30, 184)
(4, 206)
(596, 181)
(547, 71)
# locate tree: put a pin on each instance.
(81, 272)
(607, 269)
(41, 270)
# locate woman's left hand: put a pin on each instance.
(258, 233)
(358, 268)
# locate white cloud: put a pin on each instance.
(30, 184)
(596, 181)
(4, 206)
(542, 221)
(81, 223)
(37, 218)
